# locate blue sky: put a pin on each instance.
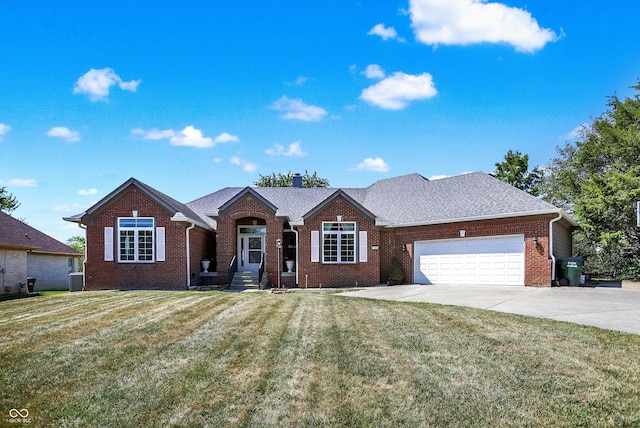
(193, 96)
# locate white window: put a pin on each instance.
(135, 239)
(339, 242)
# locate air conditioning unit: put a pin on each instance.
(76, 281)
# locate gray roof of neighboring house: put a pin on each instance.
(399, 201)
(19, 235)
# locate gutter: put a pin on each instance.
(551, 256)
(479, 218)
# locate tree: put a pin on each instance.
(286, 180)
(78, 243)
(515, 171)
(8, 202)
(598, 179)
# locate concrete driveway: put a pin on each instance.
(610, 308)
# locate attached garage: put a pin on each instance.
(495, 260)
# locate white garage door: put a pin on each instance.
(492, 260)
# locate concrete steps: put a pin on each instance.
(245, 281)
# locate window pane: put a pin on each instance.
(127, 222)
(330, 247)
(145, 245)
(347, 247)
(127, 245)
(348, 226)
(144, 222)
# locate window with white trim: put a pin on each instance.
(339, 242)
(135, 239)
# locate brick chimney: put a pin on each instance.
(297, 180)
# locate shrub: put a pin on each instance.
(396, 275)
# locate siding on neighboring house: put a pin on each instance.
(51, 271)
(13, 270)
(562, 240)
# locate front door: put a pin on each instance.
(250, 251)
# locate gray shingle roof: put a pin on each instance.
(405, 200)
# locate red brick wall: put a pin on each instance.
(333, 275)
(169, 274)
(244, 211)
(537, 262)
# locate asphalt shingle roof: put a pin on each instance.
(19, 235)
(405, 200)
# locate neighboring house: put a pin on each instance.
(27, 252)
(468, 229)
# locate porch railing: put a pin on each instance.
(261, 271)
(233, 268)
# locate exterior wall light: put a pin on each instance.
(404, 248)
(463, 233)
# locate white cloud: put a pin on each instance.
(217, 160)
(64, 133)
(96, 84)
(297, 109)
(294, 149)
(578, 132)
(4, 130)
(438, 177)
(244, 164)
(464, 22)
(189, 137)
(385, 32)
(373, 164)
(226, 138)
(301, 80)
(22, 182)
(396, 91)
(74, 208)
(87, 192)
(373, 71)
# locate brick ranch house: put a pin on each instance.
(467, 229)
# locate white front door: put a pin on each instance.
(250, 249)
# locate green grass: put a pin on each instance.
(308, 358)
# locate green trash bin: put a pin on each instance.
(571, 269)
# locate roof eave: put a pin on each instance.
(180, 217)
(486, 217)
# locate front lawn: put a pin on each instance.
(308, 358)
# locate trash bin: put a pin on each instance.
(31, 284)
(571, 269)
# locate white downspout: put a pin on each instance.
(84, 262)
(551, 256)
(296, 232)
(189, 255)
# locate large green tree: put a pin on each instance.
(286, 180)
(514, 169)
(8, 202)
(597, 178)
